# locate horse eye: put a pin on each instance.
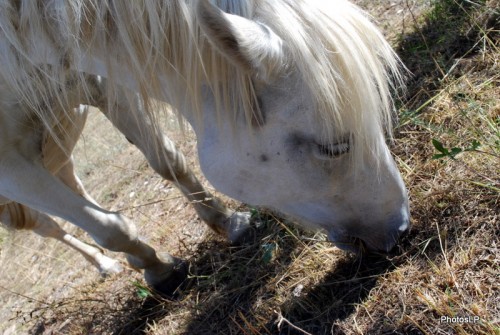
(332, 150)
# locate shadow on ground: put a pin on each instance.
(237, 295)
(452, 30)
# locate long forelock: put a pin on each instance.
(348, 66)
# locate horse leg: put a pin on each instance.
(67, 175)
(26, 182)
(17, 216)
(56, 156)
(105, 264)
(170, 163)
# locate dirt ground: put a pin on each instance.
(443, 279)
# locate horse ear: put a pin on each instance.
(247, 44)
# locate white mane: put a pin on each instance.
(343, 58)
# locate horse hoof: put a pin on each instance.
(240, 230)
(109, 266)
(249, 237)
(171, 286)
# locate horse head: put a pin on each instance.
(318, 151)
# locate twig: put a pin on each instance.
(448, 266)
(470, 168)
(24, 296)
(282, 319)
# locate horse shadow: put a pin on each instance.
(449, 33)
(231, 290)
(334, 299)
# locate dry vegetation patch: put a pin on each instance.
(287, 281)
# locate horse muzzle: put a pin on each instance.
(374, 242)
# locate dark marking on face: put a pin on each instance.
(296, 140)
(263, 158)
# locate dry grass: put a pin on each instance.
(289, 281)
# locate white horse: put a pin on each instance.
(289, 99)
(55, 156)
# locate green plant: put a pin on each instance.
(142, 291)
(452, 152)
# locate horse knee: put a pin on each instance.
(119, 233)
(165, 159)
(169, 169)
